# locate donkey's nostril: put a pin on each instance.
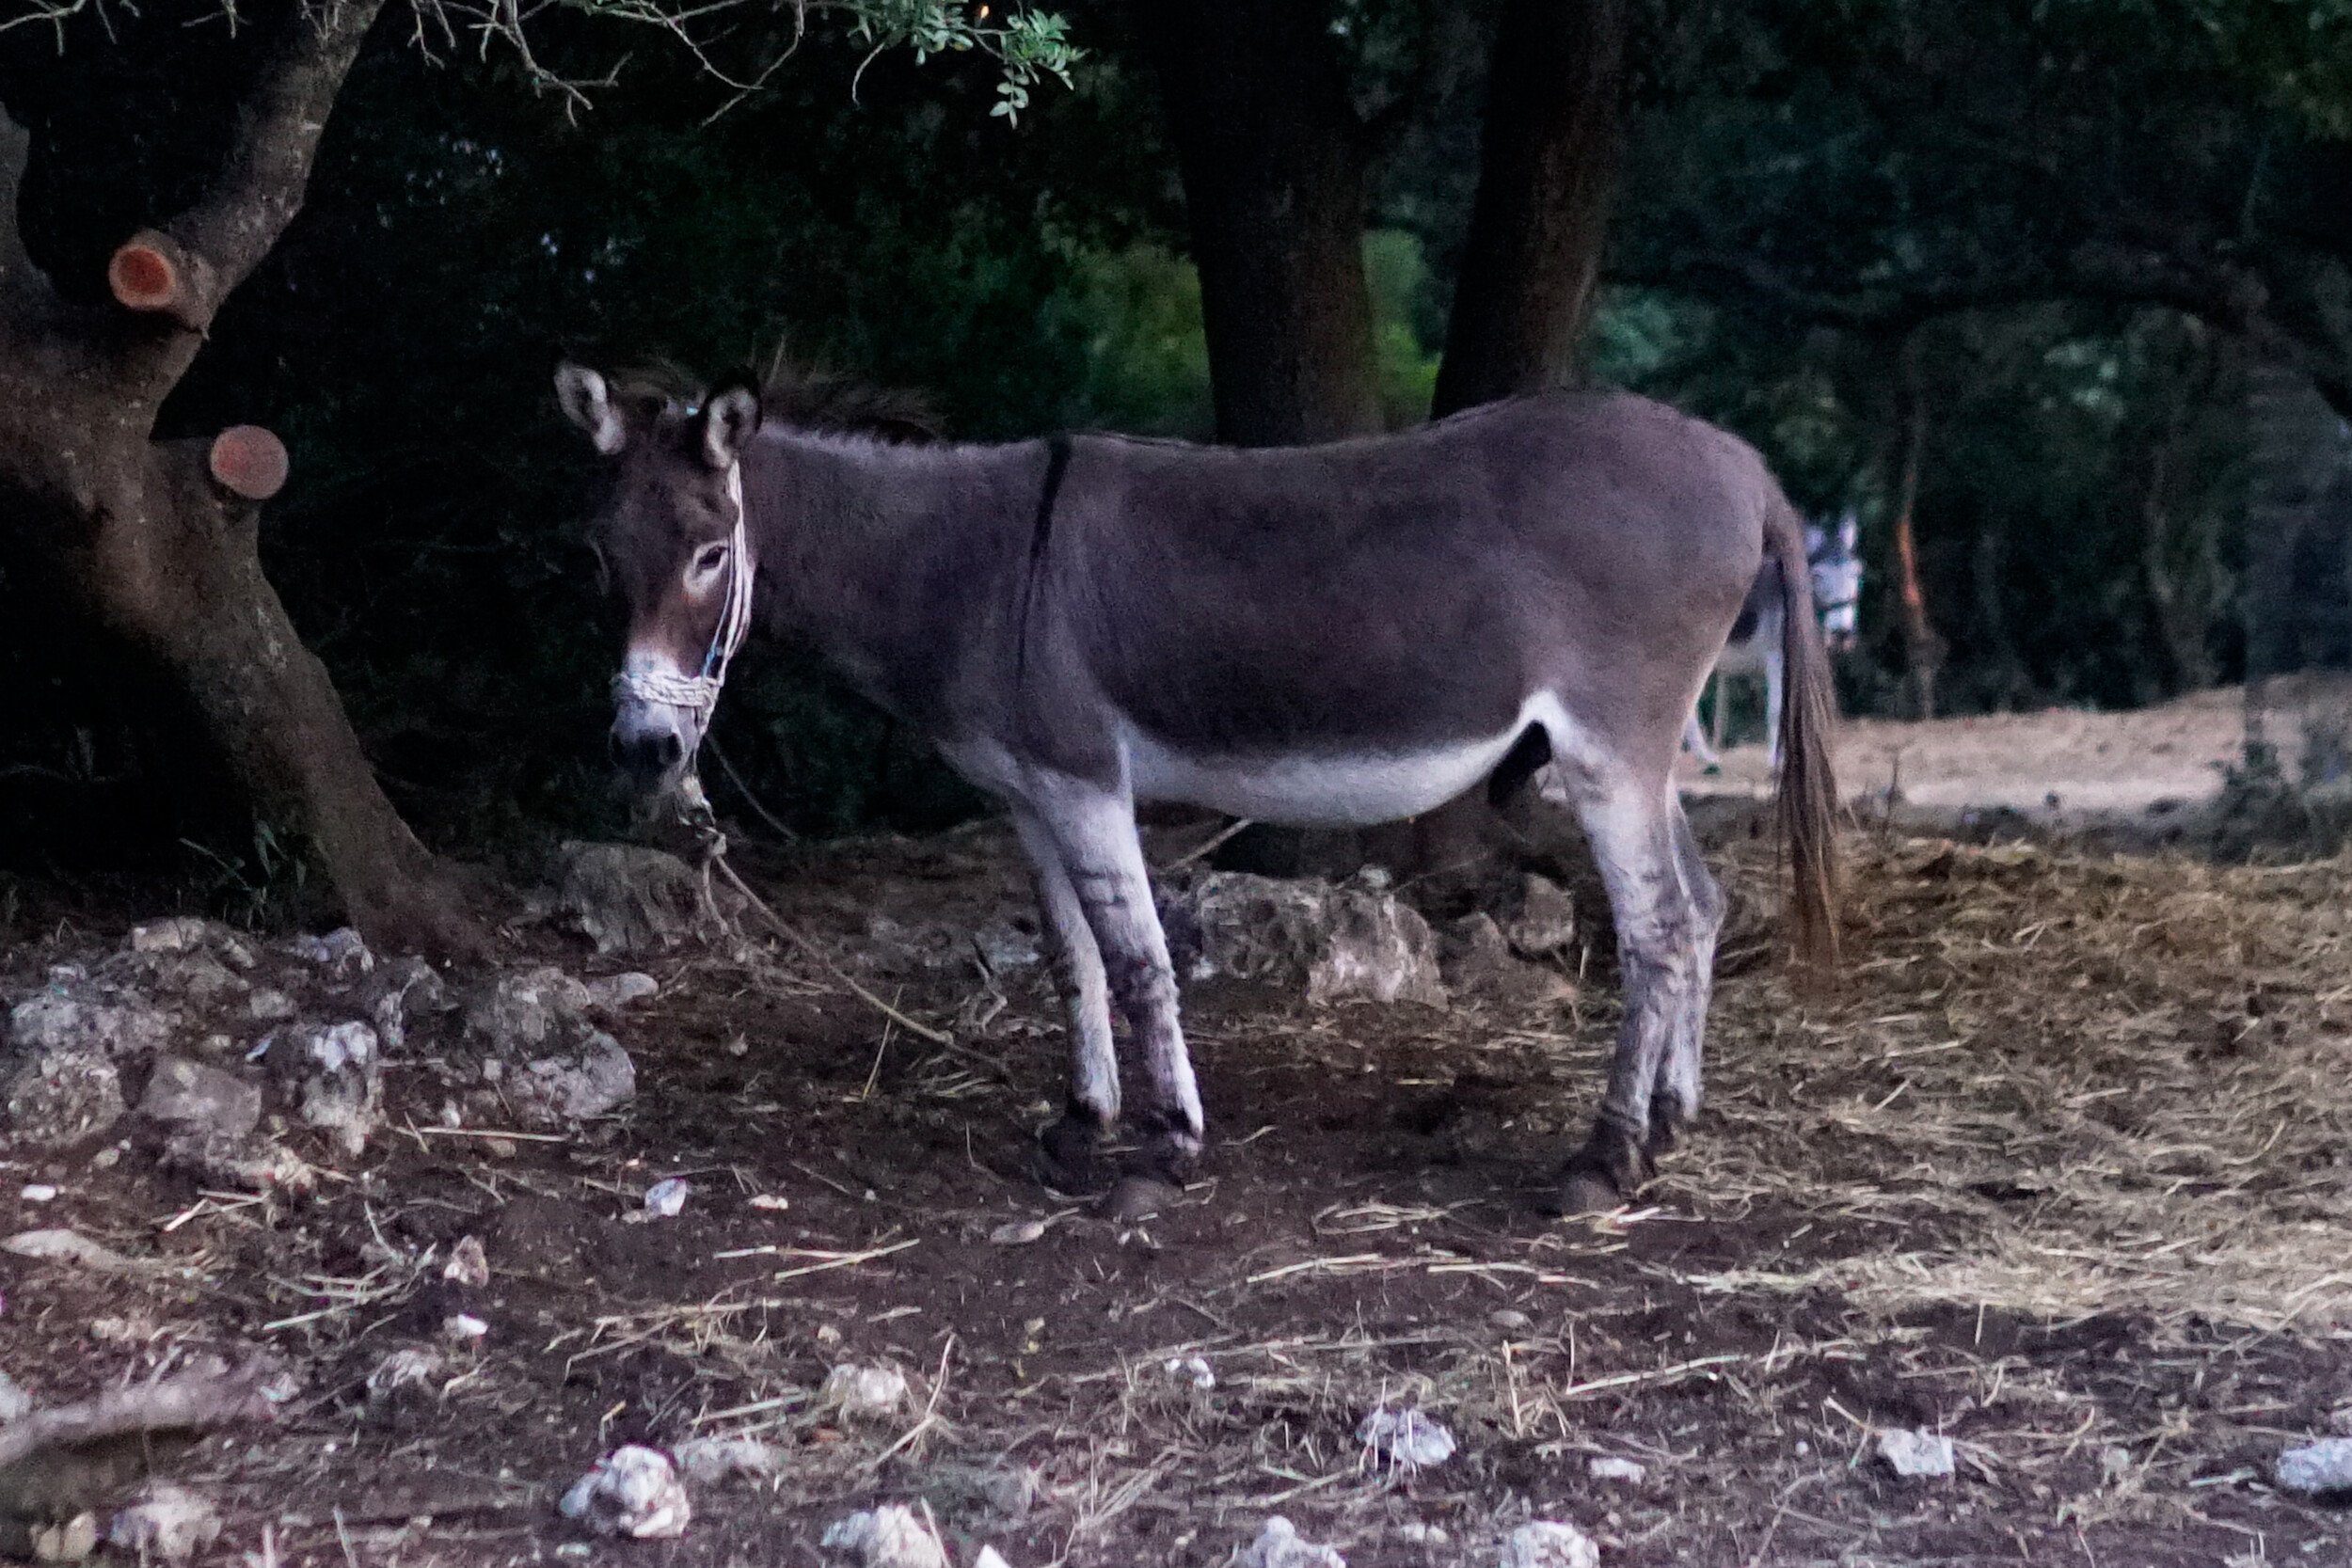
(670, 748)
(644, 751)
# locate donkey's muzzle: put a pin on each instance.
(647, 748)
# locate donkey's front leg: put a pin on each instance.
(1094, 830)
(1070, 1144)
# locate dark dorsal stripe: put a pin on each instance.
(1041, 536)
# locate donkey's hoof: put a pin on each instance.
(1067, 1160)
(1171, 1156)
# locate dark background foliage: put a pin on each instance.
(1800, 181)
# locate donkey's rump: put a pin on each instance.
(1394, 600)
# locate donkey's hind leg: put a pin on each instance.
(1094, 830)
(1631, 828)
(1069, 1145)
(1675, 1098)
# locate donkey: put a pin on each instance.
(1835, 567)
(1344, 634)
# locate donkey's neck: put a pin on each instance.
(888, 558)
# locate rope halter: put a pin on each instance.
(699, 694)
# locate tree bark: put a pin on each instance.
(158, 539)
(1271, 153)
(1923, 649)
(1548, 167)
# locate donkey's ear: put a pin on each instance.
(730, 419)
(588, 403)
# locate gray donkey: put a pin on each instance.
(1344, 634)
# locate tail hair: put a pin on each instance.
(1808, 788)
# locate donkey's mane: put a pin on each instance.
(804, 397)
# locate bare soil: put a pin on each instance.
(2062, 1168)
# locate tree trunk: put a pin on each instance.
(158, 539)
(1547, 166)
(2298, 449)
(2182, 624)
(1271, 153)
(1923, 650)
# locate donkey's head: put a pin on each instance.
(672, 541)
(1837, 571)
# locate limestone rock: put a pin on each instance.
(633, 1491)
(1331, 942)
(1279, 1545)
(628, 898)
(203, 1101)
(62, 1097)
(1477, 960)
(592, 1081)
(1548, 1543)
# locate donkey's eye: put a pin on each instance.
(710, 559)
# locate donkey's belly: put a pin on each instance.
(1323, 788)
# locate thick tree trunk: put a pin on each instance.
(159, 539)
(1272, 164)
(2298, 450)
(1548, 166)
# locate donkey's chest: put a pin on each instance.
(1321, 788)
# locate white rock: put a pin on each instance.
(1548, 1543)
(1405, 1438)
(865, 1393)
(78, 1014)
(522, 1013)
(666, 1199)
(15, 1403)
(1017, 1232)
(339, 951)
(466, 1263)
(889, 1537)
(266, 1005)
(201, 1101)
(164, 1523)
(772, 1202)
(39, 1191)
(633, 1491)
(1916, 1454)
(415, 1367)
(62, 1097)
(629, 898)
(71, 1247)
(1616, 1469)
(708, 1461)
(988, 1557)
(1510, 1319)
(597, 1079)
(1193, 1369)
(335, 1073)
(1331, 942)
(615, 991)
(1421, 1533)
(2317, 1469)
(1279, 1545)
(463, 1325)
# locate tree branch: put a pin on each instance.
(216, 243)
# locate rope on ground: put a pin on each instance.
(793, 935)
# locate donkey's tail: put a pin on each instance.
(1808, 790)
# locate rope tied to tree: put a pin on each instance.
(699, 694)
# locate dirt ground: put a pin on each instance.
(2062, 1168)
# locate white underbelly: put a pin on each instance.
(1310, 789)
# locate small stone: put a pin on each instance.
(337, 1071)
(1134, 1199)
(888, 1537)
(989, 1557)
(519, 1014)
(71, 1542)
(1193, 1369)
(1548, 1543)
(466, 1265)
(666, 1199)
(1510, 1320)
(2317, 1469)
(1279, 1545)
(865, 1393)
(1541, 921)
(164, 1523)
(39, 1191)
(15, 1403)
(1617, 1469)
(1421, 1533)
(339, 951)
(1406, 1439)
(267, 1006)
(71, 1247)
(1017, 1232)
(1916, 1454)
(628, 898)
(633, 1491)
(414, 1366)
(463, 1325)
(205, 1101)
(266, 1167)
(1331, 942)
(1477, 959)
(769, 1201)
(615, 991)
(708, 1461)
